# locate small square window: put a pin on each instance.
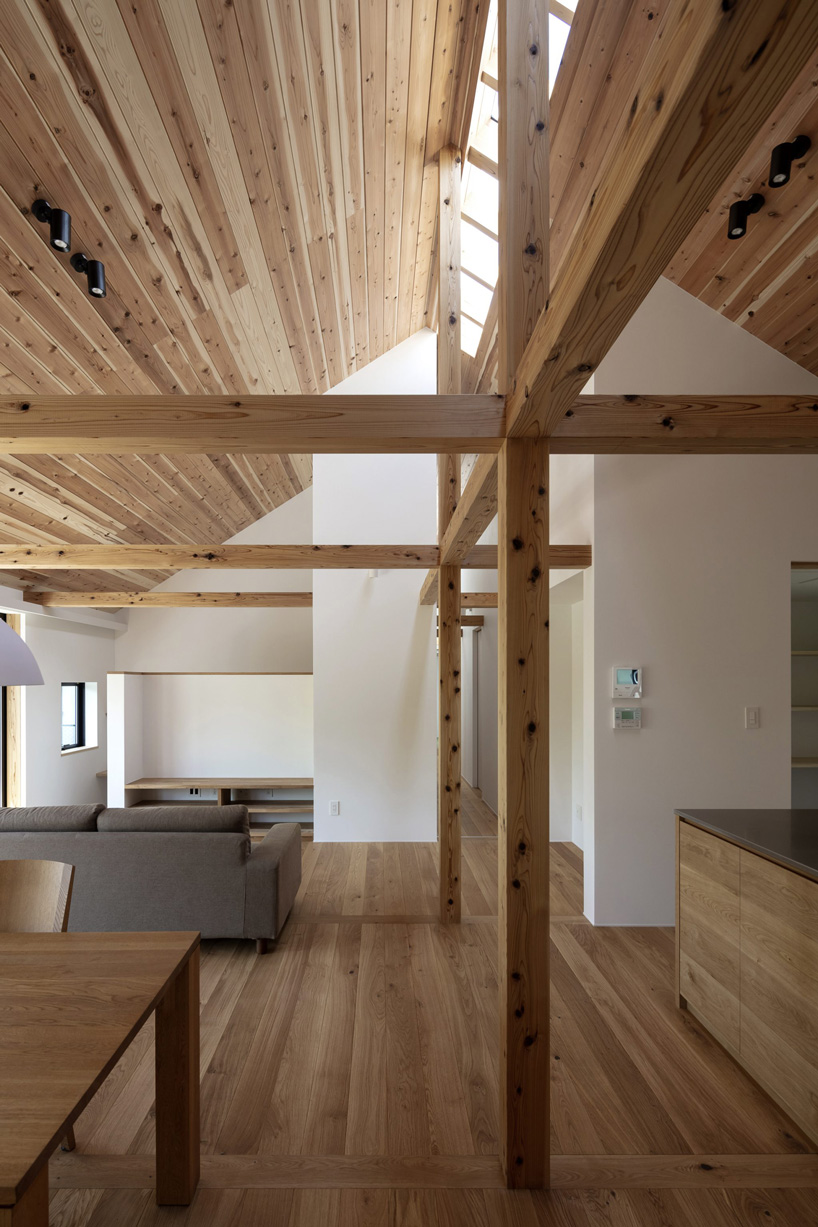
(73, 715)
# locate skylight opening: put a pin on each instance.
(480, 189)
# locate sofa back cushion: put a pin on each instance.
(184, 819)
(50, 818)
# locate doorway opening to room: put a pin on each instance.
(804, 646)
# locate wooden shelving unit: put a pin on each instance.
(805, 762)
(292, 809)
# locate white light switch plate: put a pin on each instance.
(752, 717)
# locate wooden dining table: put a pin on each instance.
(70, 1004)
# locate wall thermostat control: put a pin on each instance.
(627, 682)
(627, 717)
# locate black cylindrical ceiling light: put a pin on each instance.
(783, 157)
(94, 271)
(740, 210)
(59, 222)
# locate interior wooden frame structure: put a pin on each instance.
(704, 90)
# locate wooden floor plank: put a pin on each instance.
(350, 1075)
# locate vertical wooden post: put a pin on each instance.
(177, 1088)
(523, 558)
(448, 475)
(524, 186)
(14, 732)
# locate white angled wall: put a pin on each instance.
(373, 645)
(691, 580)
(230, 640)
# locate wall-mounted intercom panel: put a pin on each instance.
(626, 682)
(627, 717)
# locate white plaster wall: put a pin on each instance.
(373, 645)
(65, 652)
(691, 580)
(230, 640)
(233, 725)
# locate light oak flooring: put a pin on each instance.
(350, 1076)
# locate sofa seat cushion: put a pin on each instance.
(190, 819)
(50, 818)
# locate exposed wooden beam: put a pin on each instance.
(523, 793)
(692, 424)
(483, 162)
(473, 620)
(254, 424)
(475, 511)
(562, 11)
(478, 600)
(705, 89)
(171, 600)
(188, 557)
(562, 558)
(449, 363)
(522, 35)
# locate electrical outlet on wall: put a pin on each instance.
(194, 792)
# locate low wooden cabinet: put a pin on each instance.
(709, 931)
(747, 963)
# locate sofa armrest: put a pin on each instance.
(273, 878)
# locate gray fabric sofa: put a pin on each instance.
(165, 867)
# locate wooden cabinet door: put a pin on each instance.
(709, 931)
(779, 985)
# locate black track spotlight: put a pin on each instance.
(783, 157)
(740, 210)
(94, 271)
(58, 220)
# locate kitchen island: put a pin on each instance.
(747, 944)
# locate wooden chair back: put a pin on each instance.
(35, 896)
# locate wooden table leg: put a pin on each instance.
(177, 1088)
(32, 1208)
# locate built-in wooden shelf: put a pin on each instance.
(805, 762)
(171, 782)
(806, 652)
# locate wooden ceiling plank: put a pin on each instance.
(159, 58)
(664, 172)
(217, 347)
(346, 36)
(195, 481)
(213, 557)
(426, 246)
(424, 14)
(317, 32)
(23, 185)
(708, 240)
(143, 485)
(33, 375)
(475, 15)
(26, 488)
(235, 68)
(273, 145)
(131, 214)
(717, 424)
(32, 298)
(138, 140)
(399, 26)
(146, 424)
(192, 54)
(293, 82)
(170, 600)
(372, 21)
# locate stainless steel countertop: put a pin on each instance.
(788, 836)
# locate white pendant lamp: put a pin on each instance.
(17, 664)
